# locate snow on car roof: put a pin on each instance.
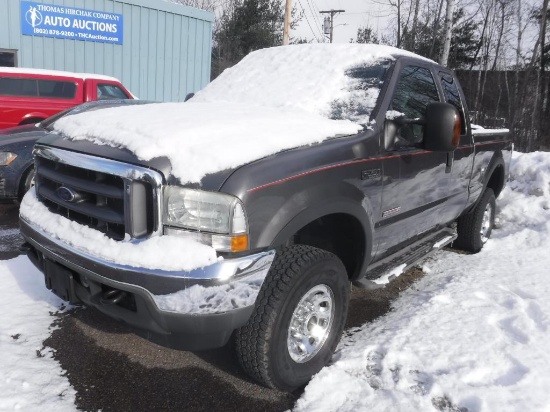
(274, 99)
(45, 72)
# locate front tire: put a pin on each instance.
(298, 320)
(26, 183)
(475, 227)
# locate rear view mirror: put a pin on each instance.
(442, 128)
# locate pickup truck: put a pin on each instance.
(28, 96)
(248, 216)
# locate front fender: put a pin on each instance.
(276, 218)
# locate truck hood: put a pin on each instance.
(197, 139)
(212, 181)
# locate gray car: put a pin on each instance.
(16, 144)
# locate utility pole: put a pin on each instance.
(286, 30)
(328, 23)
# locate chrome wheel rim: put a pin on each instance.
(486, 223)
(310, 323)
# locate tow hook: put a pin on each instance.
(112, 296)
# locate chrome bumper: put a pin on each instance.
(222, 287)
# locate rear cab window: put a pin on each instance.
(452, 96)
(39, 88)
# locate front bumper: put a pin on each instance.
(8, 184)
(186, 310)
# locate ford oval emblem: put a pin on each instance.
(66, 194)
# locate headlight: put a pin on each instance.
(212, 218)
(6, 158)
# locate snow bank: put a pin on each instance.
(160, 252)
(30, 378)
(472, 335)
(274, 99)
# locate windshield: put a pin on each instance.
(47, 123)
(363, 87)
(333, 81)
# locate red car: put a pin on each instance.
(32, 95)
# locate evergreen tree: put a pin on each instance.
(366, 35)
(245, 26)
(464, 41)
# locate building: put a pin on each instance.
(159, 50)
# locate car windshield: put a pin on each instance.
(361, 93)
(47, 123)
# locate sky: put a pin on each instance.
(357, 13)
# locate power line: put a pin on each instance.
(307, 20)
(315, 13)
(314, 16)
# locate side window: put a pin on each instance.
(18, 87)
(56, 89)
(110, 91)
(8, 58)
(415, 90)
(452, 96)
(37, 88)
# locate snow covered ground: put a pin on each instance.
(471, 335)
(30, 379)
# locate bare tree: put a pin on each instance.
(209, 5)
(448, 32)
(436, 27)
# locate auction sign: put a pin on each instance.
(48, 20)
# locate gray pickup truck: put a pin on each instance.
(231, 231)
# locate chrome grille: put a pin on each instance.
(112, 197)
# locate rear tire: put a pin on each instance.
(298, 320)
(475, 227)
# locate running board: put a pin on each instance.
(377, 275)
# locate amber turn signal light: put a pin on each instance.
(239, 243)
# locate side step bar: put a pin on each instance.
(377, 275)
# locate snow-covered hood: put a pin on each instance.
(273, 100)
(203, 138)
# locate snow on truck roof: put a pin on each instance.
(57, 73)
(274, 99)
(308, 76)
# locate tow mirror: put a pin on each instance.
(442, 128)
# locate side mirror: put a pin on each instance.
(189, 96)
(442, 128)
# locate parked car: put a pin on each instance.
(248, 211)
(16, 145)
(29, 96)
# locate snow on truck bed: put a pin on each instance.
(274, 99)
